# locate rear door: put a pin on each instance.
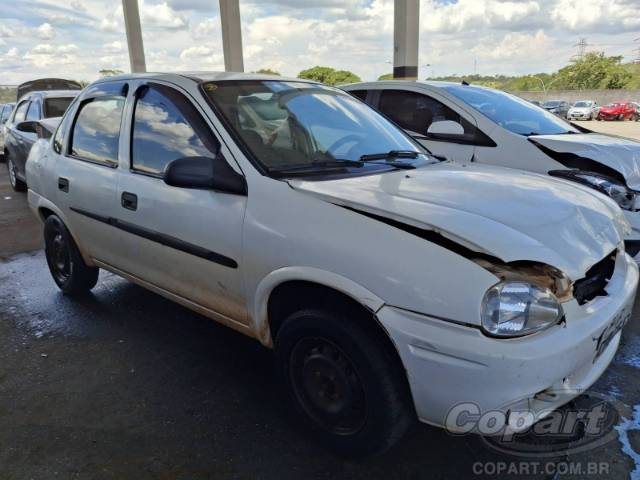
(34, 113)
(184, 241)
(14, 140)
(87, 169)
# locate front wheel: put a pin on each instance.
(343, 381)
(66, 265)
(17, 184)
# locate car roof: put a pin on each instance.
(203, 76)
(51, 94)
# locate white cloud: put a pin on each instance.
(588, 16)
(161, 15)
(45, 31)
(45, 55)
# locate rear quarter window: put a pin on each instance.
(55, 107)
(96, 131)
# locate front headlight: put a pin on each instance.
(516, 308)
(623, 196)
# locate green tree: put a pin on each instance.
(329, 75)
(594, 70)
(110, 72)
(386, 76)
(268, 71)
(319, 74)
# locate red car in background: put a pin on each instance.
(617, 111)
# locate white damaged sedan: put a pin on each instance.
(469, 123)
(391, 286)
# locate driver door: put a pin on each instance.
(181, 240)
(416, 113)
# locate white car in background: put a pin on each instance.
(583, 110)
(472, 124)
(389, 284)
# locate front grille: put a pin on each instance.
(595, 281)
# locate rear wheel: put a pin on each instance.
(17, 184)
(66, 265)
(343, 382)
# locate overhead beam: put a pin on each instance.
(134, 36)
(231, 35)
(406, 27)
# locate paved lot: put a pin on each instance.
(623, 129)
(126, 385)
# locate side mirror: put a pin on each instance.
(29, 126)
(205, 173)
(445, 129)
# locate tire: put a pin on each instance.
(67, 268)
(344, 382)
(17, 184)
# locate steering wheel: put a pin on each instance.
(343, 141)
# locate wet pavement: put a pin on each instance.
(124, 384)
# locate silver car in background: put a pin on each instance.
(583, 110)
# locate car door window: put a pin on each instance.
(96, 131)
(166, 126)
(21, 112)
(416, 112)
(360, 94)
(34, 111)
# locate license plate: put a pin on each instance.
(604, 339)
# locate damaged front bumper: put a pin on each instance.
(449, 363)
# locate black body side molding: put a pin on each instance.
(161, 238)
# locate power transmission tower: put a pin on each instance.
(582, 49)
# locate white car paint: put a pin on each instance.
(340, 233)
(518, 151)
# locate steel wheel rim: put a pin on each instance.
(327, 386)
(12, 173)
(60, 257)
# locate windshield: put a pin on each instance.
(297, 124)
(582, 104)
(510, 112)
(613, 105)
(55, 107)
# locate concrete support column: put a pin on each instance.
(406, 27)
(134, 35)
(231, 35)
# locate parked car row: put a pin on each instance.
(589, 110)
(419, 246)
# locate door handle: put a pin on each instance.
(129, 201)
(63, 184)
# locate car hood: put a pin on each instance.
(620, 154)
(506, 213)
(580, 109)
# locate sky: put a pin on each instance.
(78, 38)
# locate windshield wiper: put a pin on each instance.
(390, 154)
(376, 157)
(316, 166)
